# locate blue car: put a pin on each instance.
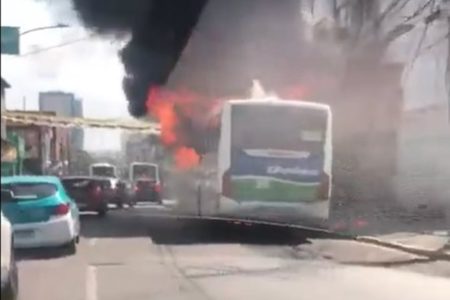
(40, 211)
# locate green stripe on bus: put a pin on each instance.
(248, 189)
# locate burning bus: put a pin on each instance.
(274, 161)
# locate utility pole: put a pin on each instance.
(445, 6)
(448, 68)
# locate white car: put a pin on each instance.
(9, 268)
(41, 212)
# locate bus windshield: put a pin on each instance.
(144, 172)
(285, 128)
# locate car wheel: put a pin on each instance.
(101, 213)
(72, 247)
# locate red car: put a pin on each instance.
(90, 193)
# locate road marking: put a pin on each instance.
(91, 283)
(92, 242)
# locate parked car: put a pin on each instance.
(10, 280)
(89, 193)
(147, 190)
(41, 212)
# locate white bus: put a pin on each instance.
(142, 170)
(274, 161)
(103, 170)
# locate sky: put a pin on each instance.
(91, 68)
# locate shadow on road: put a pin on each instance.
(42, 253)
(185, 232)
(177, 231)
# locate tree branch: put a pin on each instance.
(436, 42)
(418, 49)
(388, 10)
(419, 11)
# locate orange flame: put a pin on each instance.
(295, 92)
(162, 105)
(168, 119)
(186, 158)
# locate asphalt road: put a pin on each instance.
(129, 255)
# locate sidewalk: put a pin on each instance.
(435, 245)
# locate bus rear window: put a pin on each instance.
(144, 171)
(278, 127)
(103, 171)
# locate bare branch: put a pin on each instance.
(389, 9)
(404, 27)
(397, 32)
(419, 11)
(436, 42)
(418, 49)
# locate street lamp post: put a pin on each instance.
(44, 28)
(57, 26)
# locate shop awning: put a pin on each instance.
(9, 151)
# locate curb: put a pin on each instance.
(440, 254)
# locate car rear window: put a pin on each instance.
(27, 191)
(105, 184)
(77, 184)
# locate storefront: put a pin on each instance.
(13, 153)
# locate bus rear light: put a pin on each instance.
(323, 190)
(226, 184)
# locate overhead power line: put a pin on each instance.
(68, 43)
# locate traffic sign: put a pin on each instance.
(10, 40)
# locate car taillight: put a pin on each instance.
(96, 191)
(226, 184)
(157, 188)
(61, 210)
(323, 190)
(136, 188)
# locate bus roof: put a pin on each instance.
(143, 163)
(280, 102)
(102, 165)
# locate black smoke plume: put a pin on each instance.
(159, 30)
(234, 42)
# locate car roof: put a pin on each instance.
(30, 179)
(87, 177)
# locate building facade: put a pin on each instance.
(45, 150)
(5, 85)
(65, 105)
